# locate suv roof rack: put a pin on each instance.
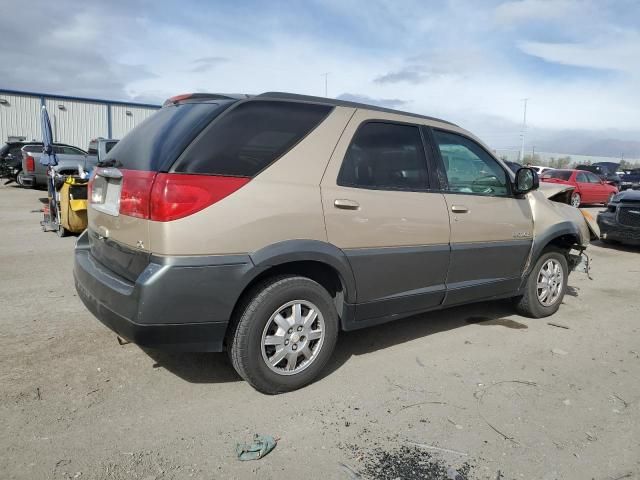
(345, 103)
(205, 96)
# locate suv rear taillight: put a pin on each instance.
(163, 197)
(30, 163)
(136, 193)
(176, 195)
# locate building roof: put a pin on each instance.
(80, 99)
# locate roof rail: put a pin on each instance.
(344, 103)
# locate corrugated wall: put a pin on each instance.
(19, 117)
(125, 117)
(75, 122)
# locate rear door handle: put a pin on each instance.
(345, 204)
(459, 209)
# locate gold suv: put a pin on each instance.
(265, 225)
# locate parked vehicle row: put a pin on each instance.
(19, 160)
(264, 226)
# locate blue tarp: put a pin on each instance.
(48, 156)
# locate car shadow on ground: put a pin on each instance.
(216, 367)
(623, 247)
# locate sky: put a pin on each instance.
(470, 62)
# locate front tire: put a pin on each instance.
(546, 286)
(576, 200)
(284, 333)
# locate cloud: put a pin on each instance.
(575, 59)
(516, 12)
(380, 102)
(618, 51)
(204, 64)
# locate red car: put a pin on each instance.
(589, 187)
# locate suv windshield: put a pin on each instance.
(156, 142)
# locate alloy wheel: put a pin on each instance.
(293, 337)
(550, 282)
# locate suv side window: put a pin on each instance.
(385, 156)
(581, 177)
(469, 168)
(250, 137)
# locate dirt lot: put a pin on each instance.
(508, 397)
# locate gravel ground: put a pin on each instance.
(475, 389)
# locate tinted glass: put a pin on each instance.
(581, 177)
(156, 142)
(559, 174)
(250, 137)
(593, 178)
(109, 146)
(385, 156)
(469, 168)
(32, 148)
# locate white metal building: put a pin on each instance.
(74, 120)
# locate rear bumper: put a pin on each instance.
(175, 303)
(28, 180)
(610, 229)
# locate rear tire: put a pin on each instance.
(267, 318)
(576, 199)
(534, 303)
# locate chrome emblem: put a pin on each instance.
(522, 235)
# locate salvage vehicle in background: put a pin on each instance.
(603, 171)
(266, 225)
(630, 179)
(99, 147)
(588, 188)
(620, 222)
(34, 174)
(11, 160)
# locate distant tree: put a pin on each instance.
(562, 162)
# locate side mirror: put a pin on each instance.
(526, 180)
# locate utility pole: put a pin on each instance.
(524, 128)
(533, 153)
(326, 83)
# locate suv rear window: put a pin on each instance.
(250, 137)
(160, 139)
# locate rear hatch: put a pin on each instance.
(120, 189)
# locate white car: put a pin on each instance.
(540, 169)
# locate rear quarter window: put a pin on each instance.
(249, 137)
(156, 142)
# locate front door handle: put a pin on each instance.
(345, 204)
(459, 209)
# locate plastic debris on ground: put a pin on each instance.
(261, 446)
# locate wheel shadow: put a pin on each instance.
(216, 367)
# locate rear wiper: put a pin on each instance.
(108, 163)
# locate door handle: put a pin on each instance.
(459, 209)
(345, 204)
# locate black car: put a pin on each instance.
(620, 222)
(11, 159)
(605, 172)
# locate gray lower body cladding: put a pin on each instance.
(175, 303)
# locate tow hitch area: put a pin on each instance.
(580, 263)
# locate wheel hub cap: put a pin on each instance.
(293, 337)
(550, 282)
